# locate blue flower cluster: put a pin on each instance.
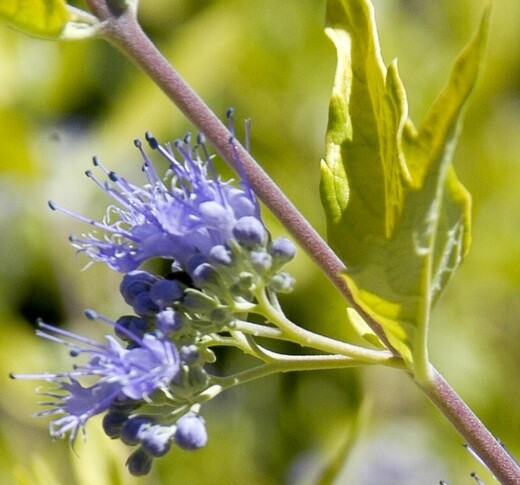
(148, 377)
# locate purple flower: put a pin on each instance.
(185, 214)
(123, 374)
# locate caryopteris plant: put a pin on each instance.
(398, 226)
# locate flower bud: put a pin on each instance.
(165, 292)
(134, 283)
(113, 422)
(157, 439)
(139, 463)
(261, 261)
(130, 325)
(143, 305)
(282, 282)
(205, 275)
(191, 432)
(219, 254)
(189, 354)
(132, 427)
(249, 231)
(282, 250)
(169, 321)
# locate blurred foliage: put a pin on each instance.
(62, 103)
(37, 17)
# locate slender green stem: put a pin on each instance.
(282, 363)
(286, 363)
(421, 360)
(306, 338)
(242, 338)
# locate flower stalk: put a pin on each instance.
(123, 30)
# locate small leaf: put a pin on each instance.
(396, 213)
(43, 18)
(363, 330)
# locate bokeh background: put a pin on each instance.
(62, 103)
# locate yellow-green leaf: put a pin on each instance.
(397, 215)
(43, 18)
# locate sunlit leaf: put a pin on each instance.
(362, 329)
(397, 214)
(44, 18)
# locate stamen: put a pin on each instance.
(476, 478)
(244, 180)
(248, 134)
(81, 218)
(152, 141)
(231, 123)
(93, 315)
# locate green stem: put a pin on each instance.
(306, 338)
(286, 363)
(282, 363)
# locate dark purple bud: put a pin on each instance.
(129, 326)
(165, 292)
(139, 463)
(132, 427)
(249, 231)
(113, 422)
(143, 305)
(194, 262)
(157, 439)
(191, 432)
(135, 283)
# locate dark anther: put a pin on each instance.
(151, 140)
(91, 314)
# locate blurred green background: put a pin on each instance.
(62, 103)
